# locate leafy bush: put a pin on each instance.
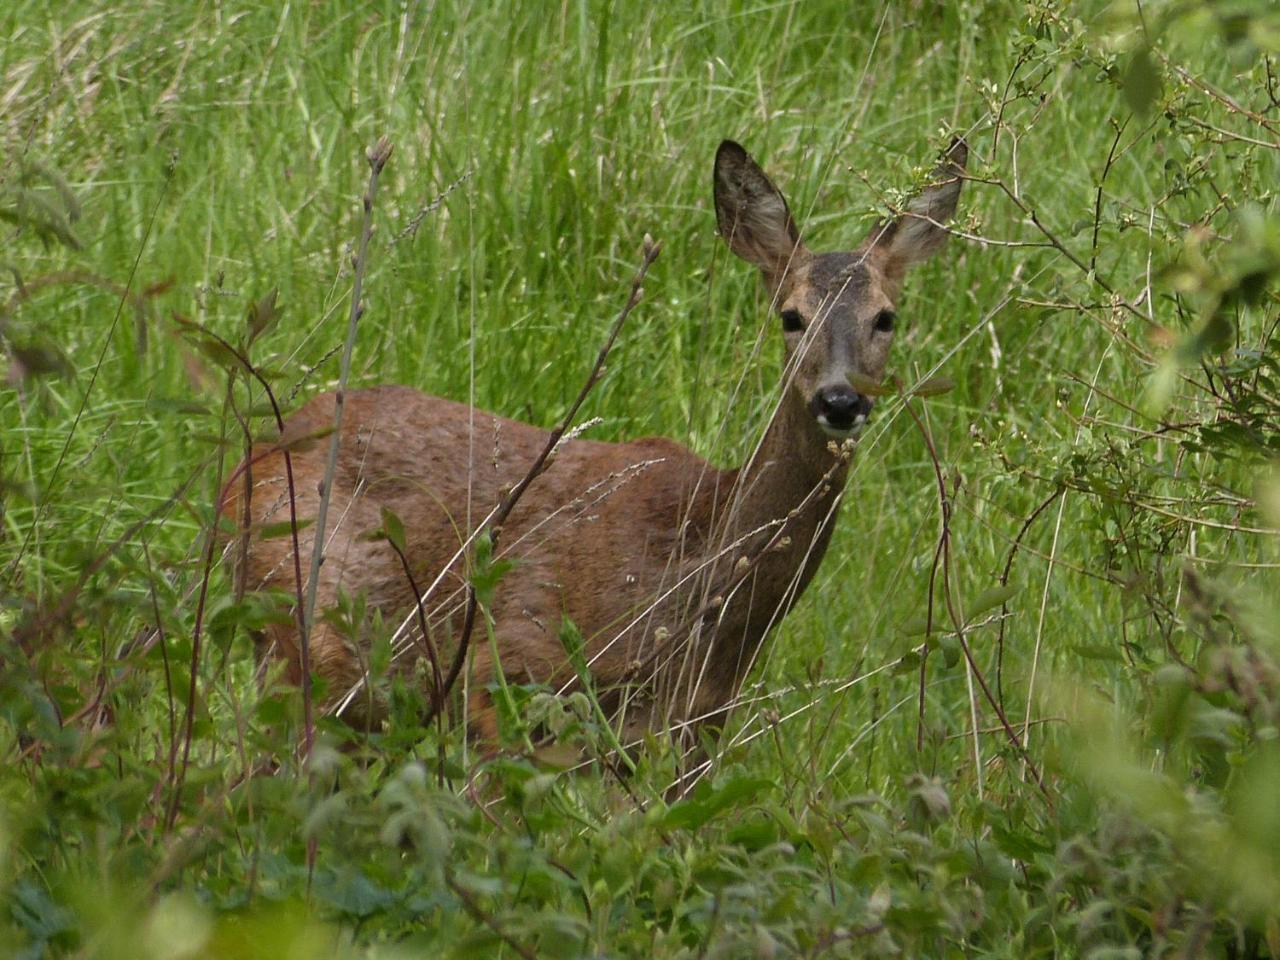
(1031, 704)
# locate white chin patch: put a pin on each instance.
(837, 434)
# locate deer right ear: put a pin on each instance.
(751, 213)
(920, 232)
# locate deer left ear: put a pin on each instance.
(920, 232)
(751, 213)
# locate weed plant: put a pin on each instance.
(1029, 708)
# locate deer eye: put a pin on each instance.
(792, 322)
(885, 320)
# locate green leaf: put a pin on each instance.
(263, 314)
(393, 528)
(42, 919)
(216, 352)
(868, 387)
(303, 441)
(710, 800)
(755, 834)
(933, 386)
(352, 893)
(1097, 651)
(992, 597)
(949, 643)
(252, 612)
(907, 663)
(274, 531)
(1021, 844)
(487, 572)
(571, 641)
(927, 800)
(918, 626)
(1141, 84)
(177, 405)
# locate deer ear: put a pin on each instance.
(751, 213)
(920, 233)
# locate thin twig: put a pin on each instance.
(433, 657)
(168, 674)
(956, 619)
(1004, 581)
(377, 157)
(474, 910)
(246, 465)
(188, 726)
(1097, 201)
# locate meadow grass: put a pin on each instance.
(217, 152)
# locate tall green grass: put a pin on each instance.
(216, 153)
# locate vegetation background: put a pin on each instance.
(1030, 706)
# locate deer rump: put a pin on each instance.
(672, 571)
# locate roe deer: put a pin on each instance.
(672, 570)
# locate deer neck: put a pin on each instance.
(783, 505)
(766, 543)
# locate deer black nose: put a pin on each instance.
(840, 408)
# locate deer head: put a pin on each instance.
(837, 309)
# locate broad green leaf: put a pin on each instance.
(992, 597)
(710, 800)
(933, 386)
(868, 387)
(1141, 83)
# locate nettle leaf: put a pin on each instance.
(1020, 844)
(252, 612)
(927, 800)
(710, 800)
(755, 834)
(31, 907)
(351, 892)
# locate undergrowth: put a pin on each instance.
(1030, 705)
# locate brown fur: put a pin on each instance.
(658, 557)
